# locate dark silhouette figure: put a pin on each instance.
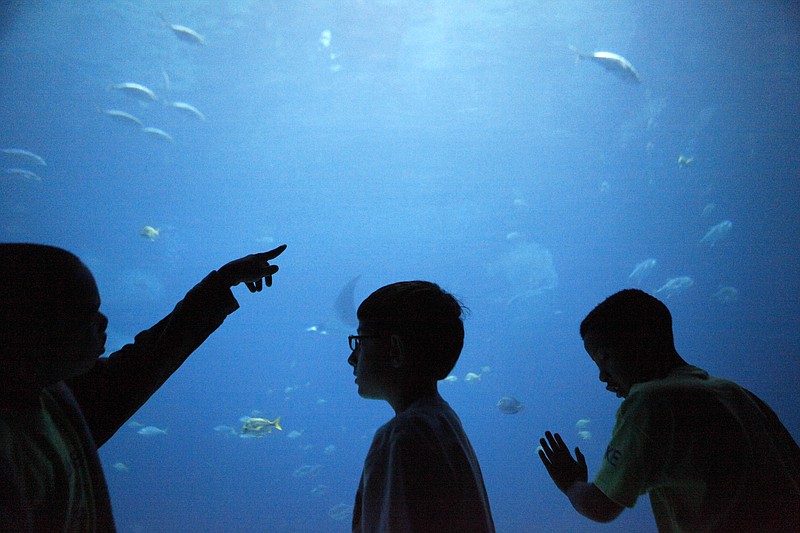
(710, 454)
(421, 473)
(59, 401)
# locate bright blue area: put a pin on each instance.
(453, 141)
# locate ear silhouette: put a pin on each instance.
(397, 351)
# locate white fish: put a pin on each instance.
(149, 431)
(120, 467)
(582, 423)
(642, 270)
(674, 286)
(188, 109)
(614, 63)
(122, 116)
(183, 33)
(717, 232)
(136, 90)
(23, 173)
(24, 153)
(161, 134)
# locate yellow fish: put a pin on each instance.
(149, 232)
(258, 427)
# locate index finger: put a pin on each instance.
(272, 254)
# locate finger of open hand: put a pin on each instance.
(272, 254)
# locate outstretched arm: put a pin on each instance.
(571, 478)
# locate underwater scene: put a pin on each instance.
(531, 157)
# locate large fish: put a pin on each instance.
(614, 63)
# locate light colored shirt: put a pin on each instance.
(711, 455)
(421, 475)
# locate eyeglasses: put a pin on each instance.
(355, 340)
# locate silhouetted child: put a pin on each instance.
(710, 454)
(59, 401)
(421, 474)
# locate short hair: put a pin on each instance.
(427, 319)
(630, 314)
(41, 288)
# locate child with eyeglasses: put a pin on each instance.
(421, 473)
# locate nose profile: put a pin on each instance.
(353, 359)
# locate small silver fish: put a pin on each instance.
(717, 232)
(183, 33)
(24, 153)
(188, 109)
(642, 270)
(161, 134)
(614, 63)
(674, 286)
(149, 431)
(137, 90)
(23, 173)
(122, 116)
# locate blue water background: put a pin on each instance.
(453, 141)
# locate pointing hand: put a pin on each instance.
(252, 270)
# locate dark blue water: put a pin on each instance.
(452, 141)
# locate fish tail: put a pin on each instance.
(578, 54)
(277, 423)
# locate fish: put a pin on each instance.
(23, 173)
(684, 161)
(717, 232)
(149, 232)
(585, 435)
(642, 270)
(345, 308)
(674, 286)
(258, 427)
(225, 430)
(25, 153)
(472, 376)
(726, 295)
(120, 467)
(183, 33)
(188, 109)
(149, 431)
(161, 134)
(582, 423)
(451, 378)
(614, 63)
(509, 405)
(122, 116)
(136, 90)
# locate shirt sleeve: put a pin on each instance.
(117, 386)
(635, 455)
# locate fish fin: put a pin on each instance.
(277, 424)
(578, 54)
(345, 307)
